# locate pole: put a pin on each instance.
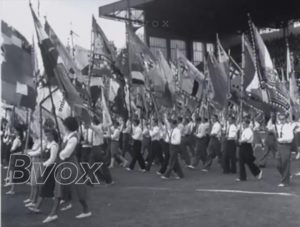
(129, 23)
(242, 77)
(91, 62)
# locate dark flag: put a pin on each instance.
(57, 74)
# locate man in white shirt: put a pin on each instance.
(246, 153)
(98, 150)
(200, 137)
(175, 141)
(230, 146)
(156, 151)
(285, 132)
(137, 136)
(214, 146)
(183, 150)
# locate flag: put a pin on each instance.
(269, 82)
(17, 68)
(218, 78)
(105, 112)
(56, 71)
(293, 88)
(153, 72)
(190, 79)
(142, 62)
(168, 95)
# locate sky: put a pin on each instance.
(63, 16)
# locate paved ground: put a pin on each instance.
(143, 199)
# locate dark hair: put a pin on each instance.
(155, 121)
(96, 120)
(136, 121)
(174, 121)
(71, 124)
(180, 119)
(20, 132)
(116, 123)
(247, 121)
(198, 119)
(54, 133)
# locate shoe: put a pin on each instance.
(237, 179)
(7, 185)
(110, 167)
(297, 174)
(259, 176)
(68, 207)
(34, 209)
(84, 215)
(178, 178)
(61, 201)
(143, 170)
(298, 156)
(10, 193)
(31, 204)
(5, 167)
(27, 201)
(158, 173)
(191, 166)
(204, 170)
(164, 177)
(281, 185)
(50, 219)
(128, 169)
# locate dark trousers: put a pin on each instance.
(284, 162)
(270, 146)
(99, 155)
(85, 157)
(184, 147)
(137, 155)
(200, 151)
(174, 164)
(125, 143)
(230, 156)
(213, 150)
(156, 152)
(166, 155)
(246, 157)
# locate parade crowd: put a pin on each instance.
(169, 142)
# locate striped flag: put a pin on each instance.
(277, 95)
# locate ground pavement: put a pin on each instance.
(200, 199)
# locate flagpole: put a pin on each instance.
(90, 66)
(242, 77)
(129, 23)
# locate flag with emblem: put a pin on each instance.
(17, 68)
(190, 79)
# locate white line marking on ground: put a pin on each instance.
(246, 192)
(212, 190)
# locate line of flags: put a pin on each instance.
(135, 79)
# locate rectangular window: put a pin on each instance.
(157, 44)
(197, 53)
(180, 44)
(210, 47)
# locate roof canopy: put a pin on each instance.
(202, 19)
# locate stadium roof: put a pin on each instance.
(202, 19)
